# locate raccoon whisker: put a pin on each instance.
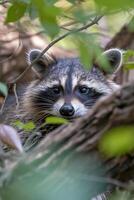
(44, 106)
(42, 112)
(43, 97)
(45, 100)
(41, 118)
(43, 103)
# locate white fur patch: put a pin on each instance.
(63, 81)
(79, 108)
(74, 81)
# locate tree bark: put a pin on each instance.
(124, 40)
(84, 134)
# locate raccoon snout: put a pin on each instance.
(67, 110)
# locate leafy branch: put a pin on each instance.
(93, 22)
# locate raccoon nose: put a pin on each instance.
(67, 110)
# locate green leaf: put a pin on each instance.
(131, 25)
(48, 17)
(55, 120)
(18, 124)
(129, 65)
(82, 16)
(51, 2)
(72, 1)
(115, 5)
(118, 141)
(3, 89)
(16, 11)
(122, 195)
(88, 49)
(33, 14)
(84, 54)
(29, 126)
(127, 55)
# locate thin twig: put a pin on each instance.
(16, 96)
(3, 105)
(95, 21)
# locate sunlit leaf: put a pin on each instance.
(118, 141)
(3, 89)
(15, 11)
(129, 65)
(127, 55)
(10, 137)
(29, 126)
(55, 120)
(114, 4)
(18, 124)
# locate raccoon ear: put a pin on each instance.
(40, 66)
(114, 57)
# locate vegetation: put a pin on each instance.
(65, 165)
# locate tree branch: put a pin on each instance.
(95, 21)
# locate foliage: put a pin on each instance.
(71, 176)
(50, 13)
(55, 120)
(118, 141)
(129, 54)
(3, 89)
(16, 11)
(122, 195)
(28, 127)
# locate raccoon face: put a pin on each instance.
(65, 88)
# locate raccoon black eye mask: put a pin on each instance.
(65, 88)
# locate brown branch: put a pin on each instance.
(95, 21)
(123, 38)
(111, 111)
(83, 136)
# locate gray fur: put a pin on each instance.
(69, 74)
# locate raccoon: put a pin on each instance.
(65, 88)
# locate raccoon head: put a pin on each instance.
(65, 88)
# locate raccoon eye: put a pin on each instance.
(56, 89)
(84, 89)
